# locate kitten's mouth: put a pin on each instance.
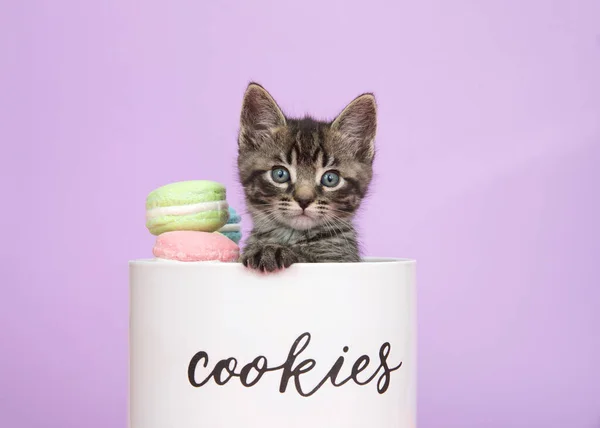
(303, 221)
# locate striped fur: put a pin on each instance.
(321, 230)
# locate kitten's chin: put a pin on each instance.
(302, 222)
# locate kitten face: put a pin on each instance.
(304, 174)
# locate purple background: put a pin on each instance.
(488, 174)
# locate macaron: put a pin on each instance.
(198, 205)
(232, 228)
(195, 246)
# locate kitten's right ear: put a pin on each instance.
(358, 124)
(259, 110)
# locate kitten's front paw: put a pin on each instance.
(268, 258)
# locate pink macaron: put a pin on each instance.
(194, 246)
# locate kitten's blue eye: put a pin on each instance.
(330, 179)
(280, 175)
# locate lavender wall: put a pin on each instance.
(488, 174)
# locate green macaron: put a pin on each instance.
(187, 205)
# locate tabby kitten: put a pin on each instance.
(303, 181)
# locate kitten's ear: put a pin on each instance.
(259, 110)
(358, 125)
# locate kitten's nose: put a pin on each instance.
(304, 202)
(304, 195)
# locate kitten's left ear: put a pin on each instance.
(358, 125)
(259, 109)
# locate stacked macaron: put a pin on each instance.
(185, 216)
(232, 228)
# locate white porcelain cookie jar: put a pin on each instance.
(316, 346)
